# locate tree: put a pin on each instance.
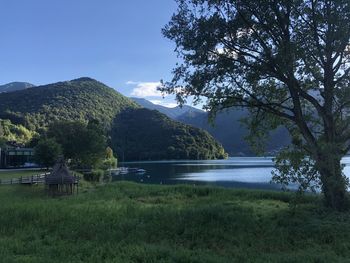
(83, 143)
(17, 133)
(2, 133)
(47, 152)
(288, 62)
(2, 142)
(110, 161)
(2, 137)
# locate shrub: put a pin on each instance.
(94, 176)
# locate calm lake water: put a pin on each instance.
(238, 172)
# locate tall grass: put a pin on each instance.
(127, 222)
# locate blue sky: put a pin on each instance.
(118, 42)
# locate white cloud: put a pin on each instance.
(145, 89)
(164, 103)
(157, 102)
(130, 82)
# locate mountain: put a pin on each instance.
(154, 135)
(141, 134)
(172, 113)
(226, 128)
(80, 99)
(14, 86)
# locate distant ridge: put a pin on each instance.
(227, 128)
(15, 86)
(173, 113)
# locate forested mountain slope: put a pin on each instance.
(80, 99)
(141, 134)
(226, 128)
(154, 136)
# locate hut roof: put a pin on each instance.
(60, 174)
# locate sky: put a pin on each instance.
(118, 42)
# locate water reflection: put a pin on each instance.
(239, 172)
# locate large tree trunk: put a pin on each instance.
(333, 181)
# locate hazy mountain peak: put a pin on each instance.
(14, 86)
(173, 113)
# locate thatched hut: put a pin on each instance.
(61, 180)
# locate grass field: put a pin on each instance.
(127, 222)
(10, 174)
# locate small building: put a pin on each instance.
(61, 180)
(16, 157)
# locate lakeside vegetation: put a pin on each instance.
(127, 222)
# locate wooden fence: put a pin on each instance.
(29, 180)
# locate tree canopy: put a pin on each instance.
(12, 132)
(47, 152)
(83, 143)
(288, 61)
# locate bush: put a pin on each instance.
(94, 176)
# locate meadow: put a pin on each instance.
(128, 222)
(11, 174)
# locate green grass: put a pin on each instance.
(11, 174)
(127, 222)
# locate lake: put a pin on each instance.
(237, 172)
